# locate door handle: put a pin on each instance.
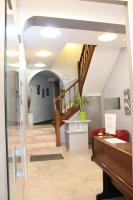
(18, 153)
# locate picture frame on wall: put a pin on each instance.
(43, 93)
(38, 89)
(127, 104)
(47, 91)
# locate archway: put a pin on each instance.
(41, 89)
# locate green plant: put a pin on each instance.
(80, 101)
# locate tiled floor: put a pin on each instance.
(75, 177)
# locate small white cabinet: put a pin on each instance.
(76, 133)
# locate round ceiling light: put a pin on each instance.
(50, 32)
(40, 65)
(43, 53)
(12, 53)
(13, 65)
(107, 37)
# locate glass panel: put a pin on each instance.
(14, 138)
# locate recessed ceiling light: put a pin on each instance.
(50, 32)
(13, 65)
(12, 53)
(43, 53)
(40, 65)
(107, 37)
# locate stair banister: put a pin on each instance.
(62, 103)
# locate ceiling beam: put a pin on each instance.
(74, 24)
(117, 2)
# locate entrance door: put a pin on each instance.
(14, 104)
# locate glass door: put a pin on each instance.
(14, 123)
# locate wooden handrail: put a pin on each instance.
(85, 58)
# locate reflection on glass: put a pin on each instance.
(13, 107)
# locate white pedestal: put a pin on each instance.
(76, 133)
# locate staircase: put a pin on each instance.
(63, 109)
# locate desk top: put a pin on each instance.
(77, 121)
(124, 147)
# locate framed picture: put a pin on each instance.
(43, 93)
(127, 106)
(47, 91)
(38, 89)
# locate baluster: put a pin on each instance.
(74, 90)
(63, 106)
(70, 98)
(60, 106)
(65, 103)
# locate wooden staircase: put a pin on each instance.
(63, 109)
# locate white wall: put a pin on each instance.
(41, 107)
(116, 83)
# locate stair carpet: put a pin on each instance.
(41, 140)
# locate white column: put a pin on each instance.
(3, 167)
(129, 31)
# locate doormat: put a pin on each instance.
(35, 158)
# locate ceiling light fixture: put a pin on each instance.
(12, 53)
(43, 53)
(13, 65)
(40, 65)
(107, 37)
(50, 32)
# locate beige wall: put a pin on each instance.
(66, 64)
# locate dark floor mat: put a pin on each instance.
(46, 157)
(44, 122)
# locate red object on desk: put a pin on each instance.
(120, 134)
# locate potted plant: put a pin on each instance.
(78, 102)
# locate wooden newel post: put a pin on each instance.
(57, 129)
(56, 122)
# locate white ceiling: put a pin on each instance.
(56, 45)
(74, 9)
(79, 10)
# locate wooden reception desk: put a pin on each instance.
(116, 161)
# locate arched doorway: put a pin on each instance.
(41, 89)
